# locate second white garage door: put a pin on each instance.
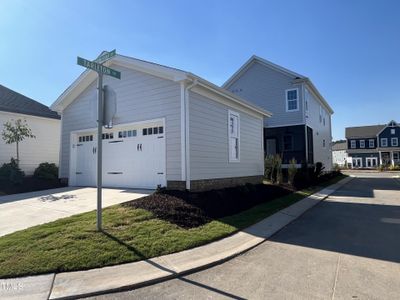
(133, 157)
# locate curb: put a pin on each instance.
(72, 285)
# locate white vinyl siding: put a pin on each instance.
(234, 136)
(209, 141)
(266, 88)
(140, 97)
(45, 147)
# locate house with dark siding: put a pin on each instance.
(371, 146)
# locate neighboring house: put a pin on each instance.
(300, 126)
(339, 153)
(371, 146)
(172, 128)
(44, 123)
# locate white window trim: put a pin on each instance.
(371, 142)
(363, 141)
(394, 139)
(231, 159)
(384, 139)
(353, 144)
(287, 101)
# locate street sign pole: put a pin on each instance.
(100, 69)
(99, 148)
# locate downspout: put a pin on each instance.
(305, 121)
(187, 144)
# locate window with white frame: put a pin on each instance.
(362, 143)
(371, 143)
(352, 144)
(392, 131)
(384, 142)
(234, 136)
(395, 142)
(292, 100)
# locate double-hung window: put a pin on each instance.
(362, 143)
(234, 136)
(395, 142)
(384, 142)
(292, 100)
(352, 144)
(371, 143)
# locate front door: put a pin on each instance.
(372, 162)
(357, 162)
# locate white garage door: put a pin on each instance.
(133, 157)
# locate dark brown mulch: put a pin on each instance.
(192, 209)
(29, 184)
(171, 209)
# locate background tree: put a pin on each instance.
(15, 132)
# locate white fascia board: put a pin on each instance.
(263, 62)
(318, 95)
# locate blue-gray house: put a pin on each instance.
(371, 146)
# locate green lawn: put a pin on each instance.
(129, 235)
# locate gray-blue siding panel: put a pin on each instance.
(266, 88)
(386, 133)
(208, 137)
(358, 143)
(140, 97)
(364, 156)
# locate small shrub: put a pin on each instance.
(47, 171)
(292, 170)
(269, 162)
(10, 172)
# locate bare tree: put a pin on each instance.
(15, 132)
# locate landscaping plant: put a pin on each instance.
(11, 173)
(16, 132)
(46, 171)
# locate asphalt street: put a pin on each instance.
(346, 247)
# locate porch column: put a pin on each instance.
(391, 158)
(380, 158)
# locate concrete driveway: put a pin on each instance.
(346, 247)
(21, 211)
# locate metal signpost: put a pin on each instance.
(100, 69)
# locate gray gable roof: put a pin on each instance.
(363, 131)
(11, 101)
(340, 145)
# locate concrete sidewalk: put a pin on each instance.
(137, 274)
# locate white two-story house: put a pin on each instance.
(300, 126)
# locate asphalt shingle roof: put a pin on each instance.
(342, 145)
(363, 131)
(11, 101)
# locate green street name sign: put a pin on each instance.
(98, 68)
(105, 56)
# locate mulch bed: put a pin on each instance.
(29, 184)
(193, 209)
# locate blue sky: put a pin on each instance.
(350, 49)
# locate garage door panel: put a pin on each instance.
(132, 158)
